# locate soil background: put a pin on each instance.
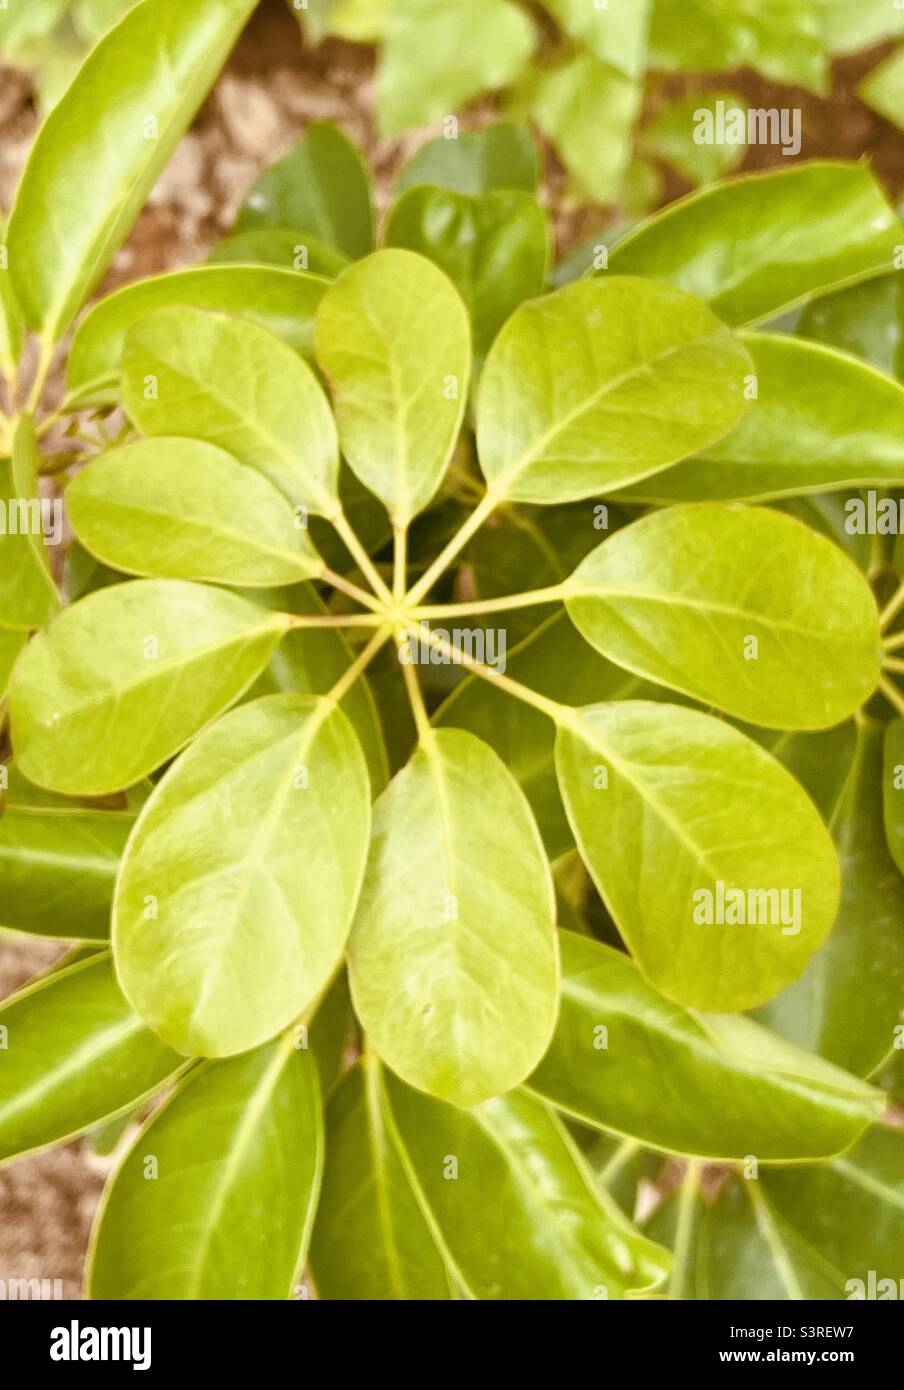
(271, 88)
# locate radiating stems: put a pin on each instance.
(893, 663)
(399, 561)
(358, 666)
(552, 594)
(485, 507)
(416, 700)
(892, 643)
(360, 556)
(335, 620)
(892, 608)
(346, 586)
(558, 713)
(892, 695)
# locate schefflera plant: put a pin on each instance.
(416, 1125)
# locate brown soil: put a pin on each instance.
(270, 90)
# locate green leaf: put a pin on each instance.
(228, 1210)
(371, 1239)
(883, 88)
(309, 661)
(124, 678)
(563, 405)
(281, 300)
(280, 246)
(892, 787)
(92, 18)
(475, 161)
(493, 247)
(11, 328)
(437, 56)
(24, 21)
(239, 883)
(321, 186)
(782, 39)
(670, 136)
(28, 594)
(733, 1089)
(521, 1213)
(616, 33)
(742, 608)
(453, 961)
(572, 103)
(721, 243)
(822, 419)
(866, 320)
(11, 643)
(101, 149)
(849, 1212)
(75, 1054)
(848, 28)
(393, 339)
(745, 885)
(183, 509)
(58, 861)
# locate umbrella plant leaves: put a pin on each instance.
(394, 341)
(453, 959)
(11, 643)
(371, 1239)
(730, 1093)
(320, 186)
(11, 327)
(563, 409)
(283, 301)
(493, 247)
(75, 1054)
(28, 595)
(183, 509)
(499, 156)
(616, 34)
(524, 1217)
(721, 244)
(279, 246)
(743, 608)
(239, 883)
(120, 681)
(87, 178)
(821, 420)
(238, 1152)
(746, 881)
(237, 386)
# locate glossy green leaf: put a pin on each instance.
(821, 419)
(11, 643)
(476, 161)
(572, 104)
(563, 409)
(240, 880)
(493, 247)
(436, 56)
(453, 959)
(58, 861)
(74, 1055)
(124, 678)
(516, 1204)
(183, 509)
(282, 301)
(189, 372)
(732, 1089)
(371, 1239)
(721, 244)
(866, 320)
(883, 88)
(321, 186)
(92, 166)
(670, 136)
(847, 1004)
(393, 339)
(24, 21)
(227, 1211)
(615, 32)
(280, 246)
(742, 608)
(850, 1213)
(11, 329)
(746, 880)
(28, 594)
(92, 18)
(782, 39)
(893, 791)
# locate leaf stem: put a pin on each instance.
(360, 556)
(552, 594)
(484, 508)
(335, 620)
(41, 372)
(892, 643)
(893, 607)
(893, 663)
(416, 700)
(892, 695)
(684, 1227)
(358, 667)
(345, 586)
(399, 561)
(556, 712)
